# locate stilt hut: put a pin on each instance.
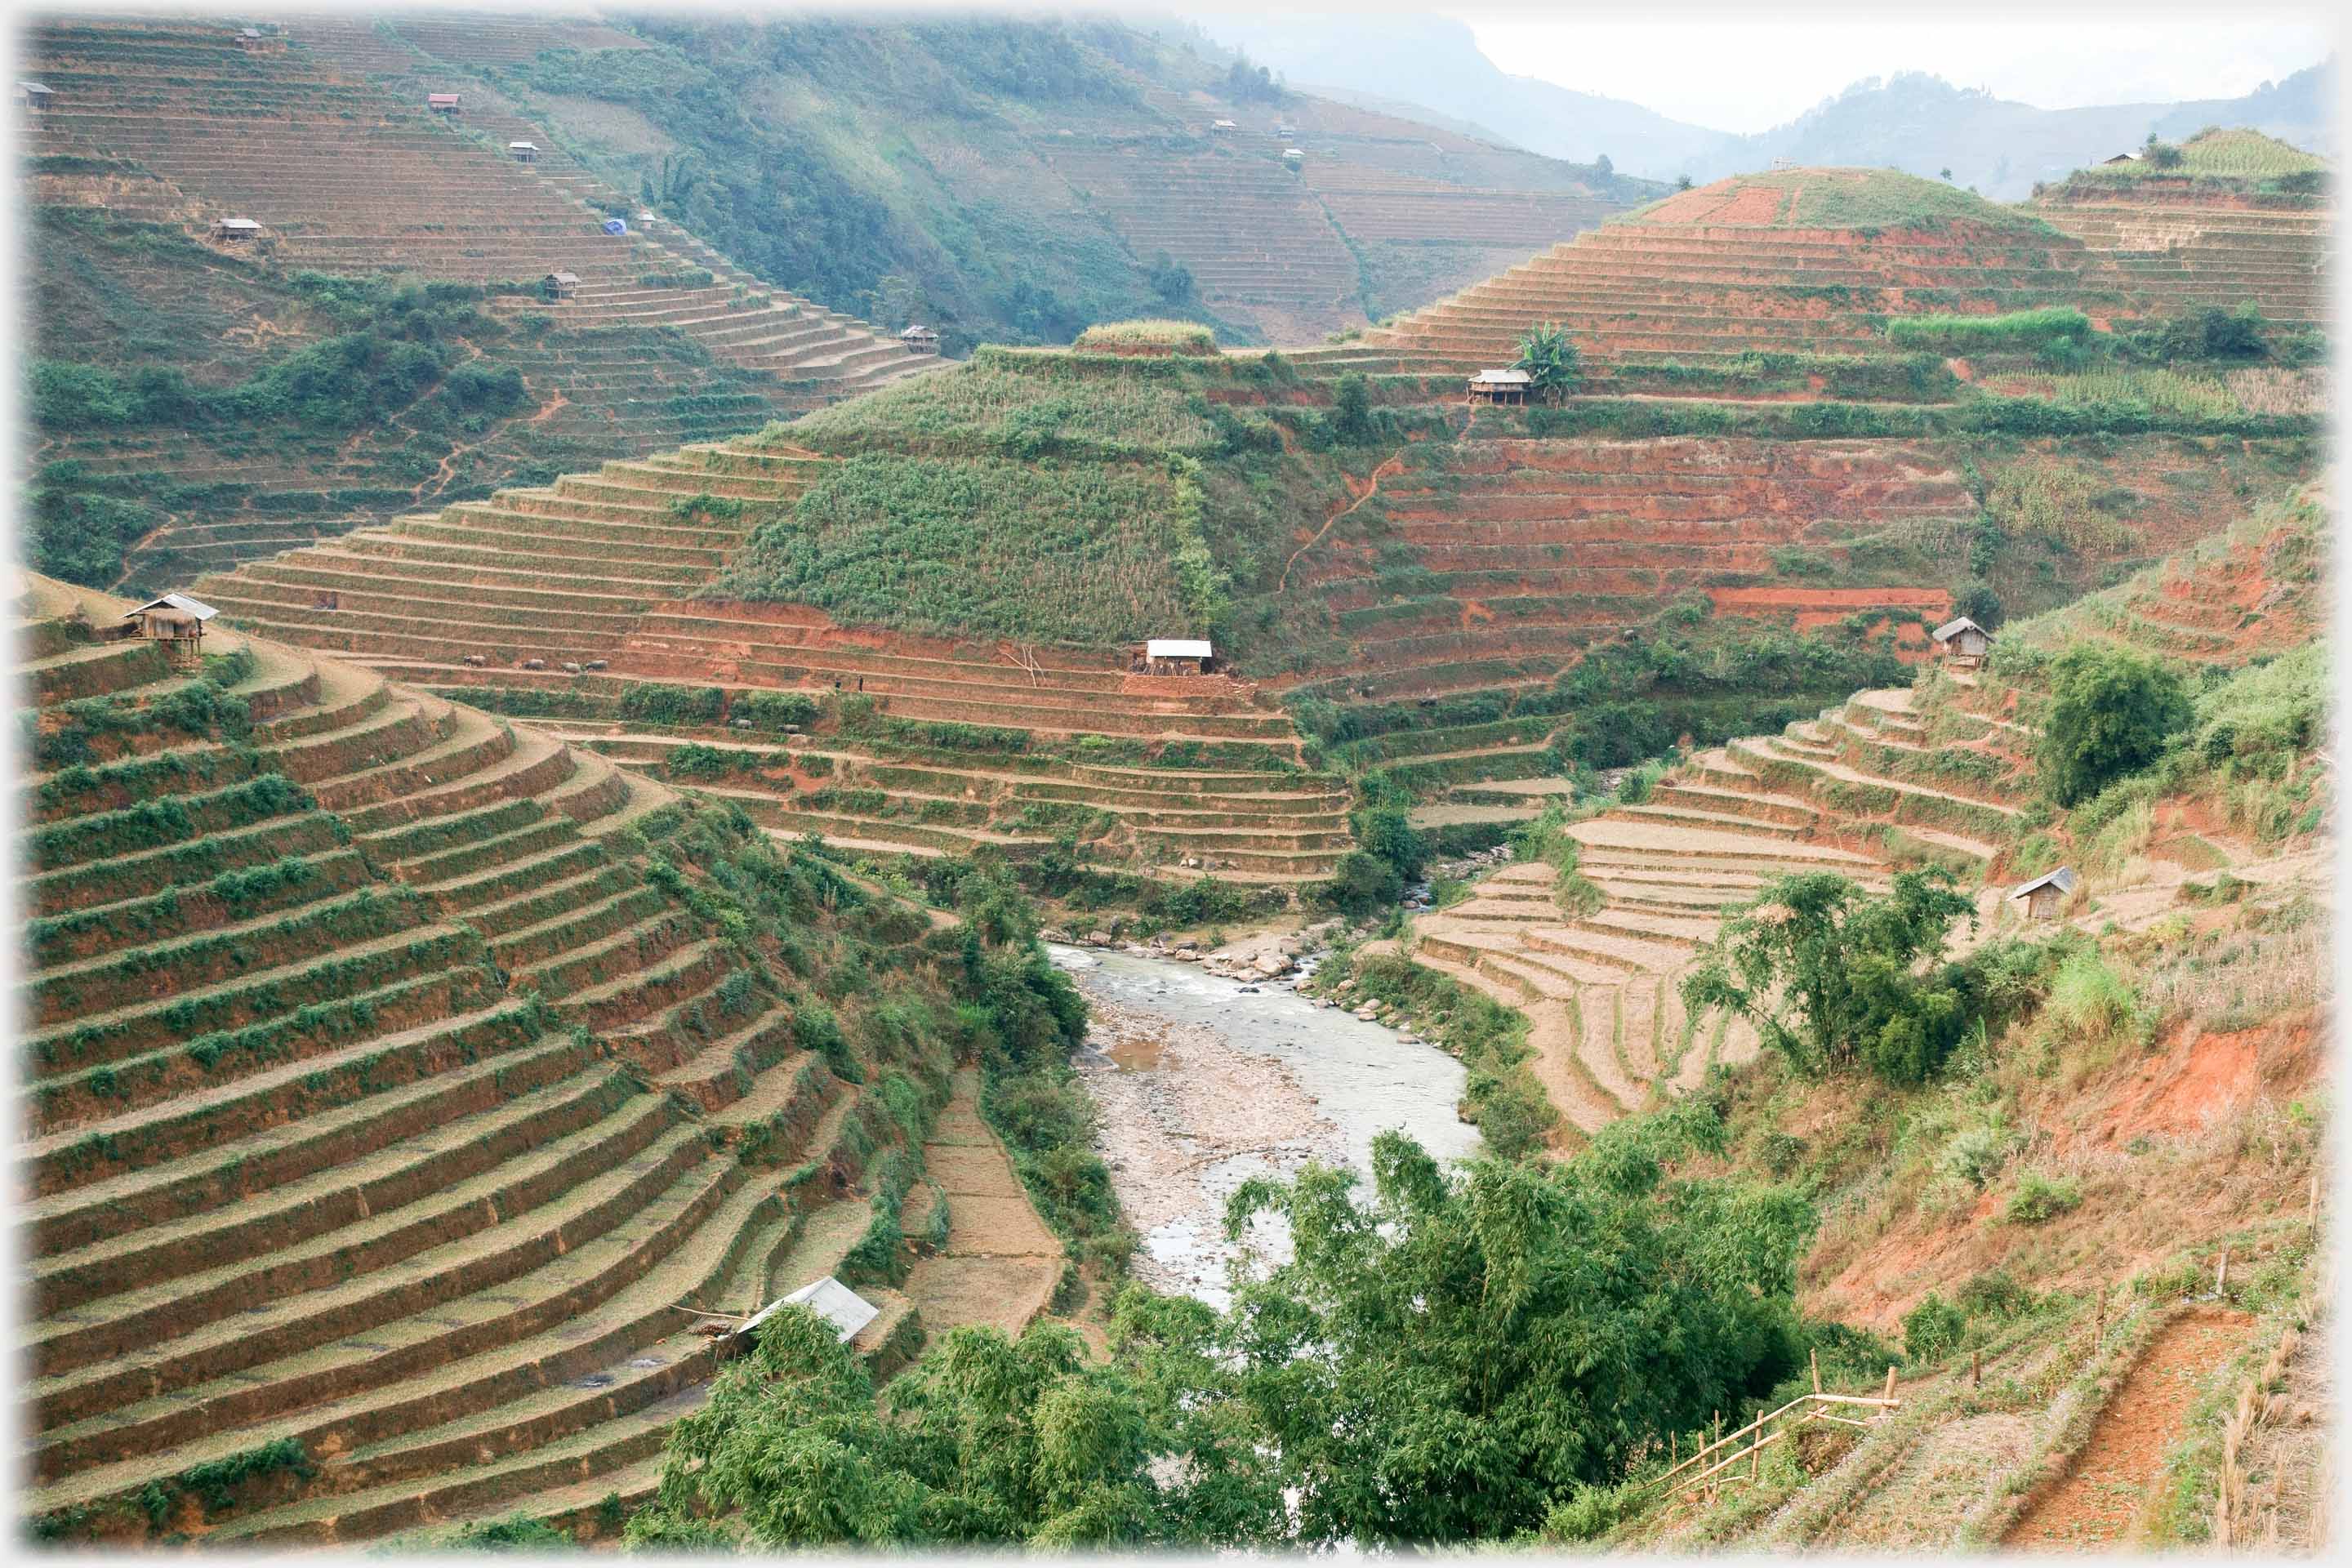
(177, 622)
(1961, 643)
(1500, 387)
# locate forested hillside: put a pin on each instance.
(1013, 180)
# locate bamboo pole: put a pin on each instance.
(1975, 1367)
(2222, 1275)
(1735, 1458)
(1890, 1383)
(1816, 1357)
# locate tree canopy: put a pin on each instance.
(1448, 1358)
(1830, 977)
(2112, 712)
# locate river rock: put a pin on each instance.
(1369, 1014)
(1099, 938)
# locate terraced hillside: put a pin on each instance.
(395, 1097)
(1802, 261)
(1942, 774)
(1071, 205)
(1529, 550)
(1598, 969)
(2241, 217)
(927, 746)
(169, 124)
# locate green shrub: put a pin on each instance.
(2040, 1199)
(1932, 1330)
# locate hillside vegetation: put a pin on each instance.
(1016, 180)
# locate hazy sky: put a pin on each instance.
(1748, 69)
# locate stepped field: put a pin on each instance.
(2242, 217)
(335, 155)
(396, 1092)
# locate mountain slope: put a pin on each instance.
(1017, 180)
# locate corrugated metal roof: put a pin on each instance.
(2061, 879)
(1176, 648)
(1503, 378)
(195, 606)
(1953, 628)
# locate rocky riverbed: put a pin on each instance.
(1203, 1082)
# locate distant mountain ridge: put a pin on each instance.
(1914, 121)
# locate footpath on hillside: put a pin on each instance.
(2102, 1496)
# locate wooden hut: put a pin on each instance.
(523, 151)
(1501, 386)
(177, 622)
(2045, 894)
(254, 41)
(919, 339)
(441, 102)
(32, 96)
(235, 229)
(1221, 127)
(1178, 656)
(1961, 643)
(560, 285)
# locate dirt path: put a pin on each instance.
(2100, 1500)
(1390, 468)
(1000, 1264)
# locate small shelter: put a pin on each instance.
(441, 102)
(646, 220)
(1961, 643)
(33, 95)
(829, 1298)
(2119, 158)
(1221, 125)
(254, 41)
(523, 151)
(1501, 386)
(1286, 131)
(2045, 893)
(919, 339)
(176, 621)
(1294, 155)
(1178, 656)
(235, 229)
(559, 285)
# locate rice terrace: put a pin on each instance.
(868, 779)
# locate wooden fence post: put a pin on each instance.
(2222, 1275)
(1890, 1380)
(1816, 1357)
(1975, 1367)
(2099, 1331)
(2312, 1214)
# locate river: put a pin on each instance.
(1202, 1083)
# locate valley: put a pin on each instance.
(654, 790)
